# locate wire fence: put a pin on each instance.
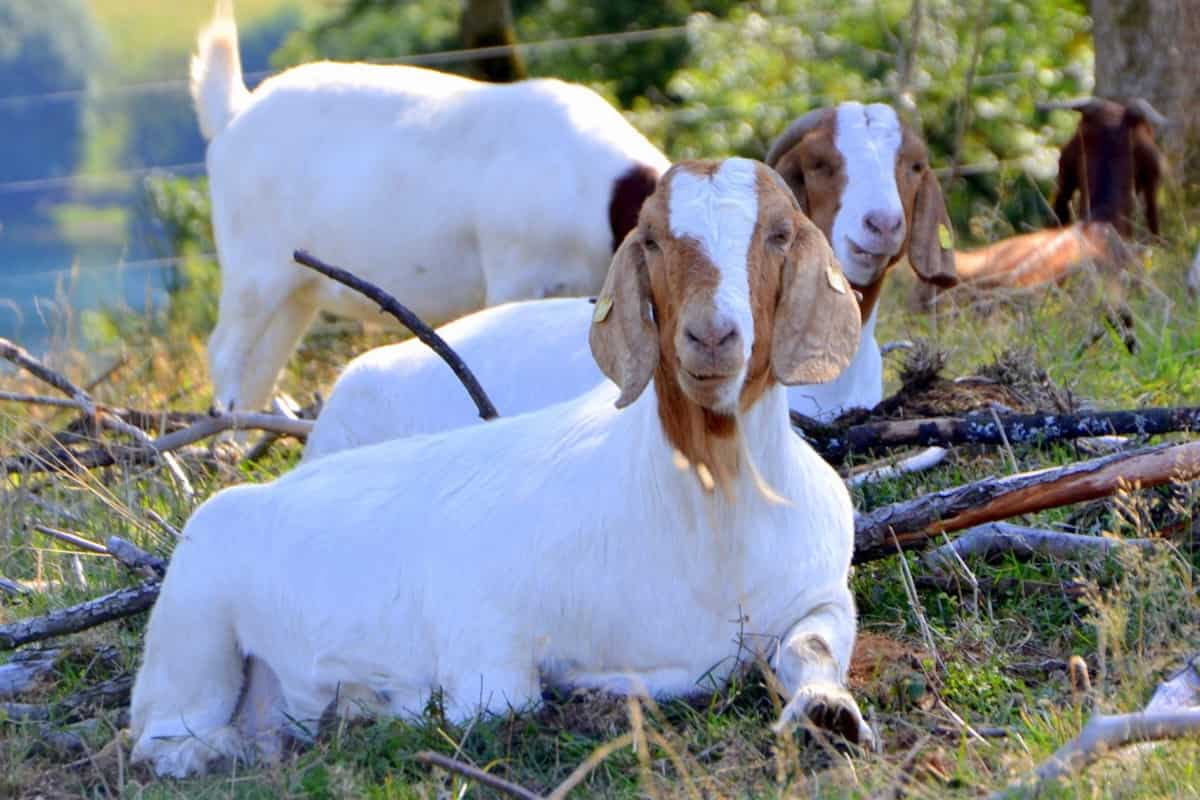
(83, 181)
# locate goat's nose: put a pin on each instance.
(882, 222)
(713, 334)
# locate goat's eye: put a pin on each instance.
(918, 167)
(650, 245)
(821, 166)
(779, 239)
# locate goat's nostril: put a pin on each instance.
(883, 223)
(729, 337)
(712, 336)
(691, 337)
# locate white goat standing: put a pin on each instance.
(581, 546)
(449, 193)
(862, 177)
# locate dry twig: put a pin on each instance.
(1173, 712)
(409, 320)
(89, 614)
(479, 776)
(914, 522)
(1003, 538)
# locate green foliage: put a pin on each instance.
(376, 29)
(773, 60)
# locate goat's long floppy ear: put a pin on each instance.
(817, 322)
(623, 337)
(931, 248)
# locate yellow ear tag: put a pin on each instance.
(603, 306)
(944, 237)
(834, 276)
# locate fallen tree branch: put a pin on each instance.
(64, 459)
(409, 320)
(1003, 538)
(928, 458)
(19, 356)
(135, 558)
(112, 693)
(914, 522)
(1173, 712)
(836, 444)
(115, 605)
(479, 776)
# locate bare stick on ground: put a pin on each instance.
(1003, 538)
(64, 459)
(1173, 712)
(135, 558)
(409, 320)
(19, 356)
(115, 605)
(915, 522)
(479, 776)
(986, 428)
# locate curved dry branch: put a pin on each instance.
(409, 320)
(836, 444)
(19, 356)
(915, 522)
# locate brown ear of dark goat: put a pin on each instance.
(1111, 157)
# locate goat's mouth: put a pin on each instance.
(711, 389)
(859, 252)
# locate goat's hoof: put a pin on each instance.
(188, 754)
(831, 708)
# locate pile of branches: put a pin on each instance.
(155, 437)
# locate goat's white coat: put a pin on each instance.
(563, 547)
(448, 193)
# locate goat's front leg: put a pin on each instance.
(811, 664)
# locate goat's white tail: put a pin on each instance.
(218, 91)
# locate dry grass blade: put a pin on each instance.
(597, 757)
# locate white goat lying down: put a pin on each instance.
(580, 546)
(449, 193)
(862, 177)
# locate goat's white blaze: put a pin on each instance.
(720, 212)
(868, 137)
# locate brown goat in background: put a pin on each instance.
(1110, 158)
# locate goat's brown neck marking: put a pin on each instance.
(870, 296)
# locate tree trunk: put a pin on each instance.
(1149, 49)
(489, 23)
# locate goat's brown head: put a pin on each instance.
(1111, 156)
(864, 179)
(722, 289)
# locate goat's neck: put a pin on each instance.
(702, 441)
(870, 298)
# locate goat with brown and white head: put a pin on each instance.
(862, 177)
(653, 536)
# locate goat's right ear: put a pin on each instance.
(931, 248)
(623, 336)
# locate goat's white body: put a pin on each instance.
(448, 193)
(491, 561)
(526, 355)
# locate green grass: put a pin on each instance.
(1136, 619)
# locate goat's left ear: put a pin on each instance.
(931, 247)
(623, 336)
(817, 321)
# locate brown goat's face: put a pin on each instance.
(697, 292)
(859, 175)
